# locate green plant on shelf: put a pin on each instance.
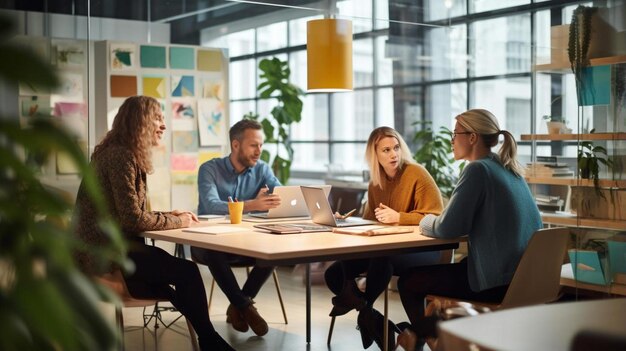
(590, 158)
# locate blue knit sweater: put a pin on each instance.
(497, 212)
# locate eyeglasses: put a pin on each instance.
(454, 134)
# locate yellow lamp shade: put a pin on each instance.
(329, 55)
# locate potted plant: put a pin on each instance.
(578, 43)
(46, 303)
(434, 152)
(589, 160)
(275, 85)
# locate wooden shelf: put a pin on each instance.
(588, 136)
(600, 61)
(584, 222)
(567, 279)
(605, 183)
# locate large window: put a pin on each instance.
(426, 62)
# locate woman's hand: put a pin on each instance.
(186, 217)
(387, 215)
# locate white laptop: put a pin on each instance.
(321, 213)
(292, 205)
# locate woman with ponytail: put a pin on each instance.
(493, 206)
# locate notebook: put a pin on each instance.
(374, 230)
(292, 205)
(293, 228)
(321, 213)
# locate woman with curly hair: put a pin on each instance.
(121, 162)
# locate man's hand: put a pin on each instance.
(387, 215)
(263, 201)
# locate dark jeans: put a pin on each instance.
(448, 280)
(219, 264)
(155, 272)
(379, 271)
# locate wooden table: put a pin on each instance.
(543, 327)
(272, 249)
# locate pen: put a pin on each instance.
(348, 214)
(236, 200)
(230, 199)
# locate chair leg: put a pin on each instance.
(330, 331)
(192, 336)
(280, 295)
(211, 293)
(386, 324)
(119, 321)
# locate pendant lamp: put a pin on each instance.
(329, 55)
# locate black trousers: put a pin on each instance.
(450, 280)
(219, 264)
(379, 271)
(156, 271)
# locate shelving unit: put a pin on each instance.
(588, 136)
(600, 61)
(604, 183)
(607, 224)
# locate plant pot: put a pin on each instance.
(555, 127)
(586, 202)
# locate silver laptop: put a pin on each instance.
(321, 213)
(292, 205)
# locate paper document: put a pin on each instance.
(371, 230)
(214, 229)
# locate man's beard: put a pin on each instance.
(245, 161)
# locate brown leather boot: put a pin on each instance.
(234, 316)
(252, 317)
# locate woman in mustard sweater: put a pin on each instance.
(400, 192)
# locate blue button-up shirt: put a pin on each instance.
(217, 180)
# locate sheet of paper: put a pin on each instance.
(210, 216)
(215, 229)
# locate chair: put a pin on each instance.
(115, 282)
(343, 200)
(247, 267)
(536, 279)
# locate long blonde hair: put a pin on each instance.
(133, 128)
(372, 158)
(485, 124)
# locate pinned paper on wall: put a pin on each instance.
(152, 56)
(159, 187)
(159, 156)
(123, 86)
(71, 85)
(184, 162)
(183, 114)
(211, 122)
(209, 60)
(70, 54)
(182, 86)
(212, 87)
(205, 156)
(65, 163)
(181, 58)
(73, 117)
(122, 56)
(184, 141)
(185, 191)
(36, 106)
(595, 86)
(154, 87)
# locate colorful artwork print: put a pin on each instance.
(183, 115)
(152, 56)
(211, 122)
(122, 56)
(184, 141)
(212, 88)
(36, 106)
(71, 85)
(70, 54)
(73, 117)
(154, 87)
(182, 86)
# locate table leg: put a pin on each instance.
(308, 302)
(385, 319)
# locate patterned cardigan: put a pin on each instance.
(123, 185)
